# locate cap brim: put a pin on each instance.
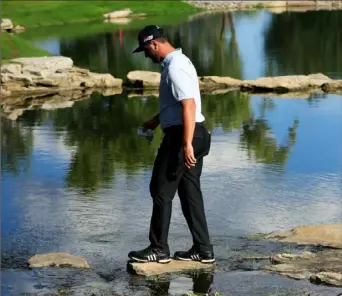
(138, 49)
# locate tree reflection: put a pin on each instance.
(210, 42)
(102, 134)
(103, 130)
(304, 43)
(256, 137)
(16, 146)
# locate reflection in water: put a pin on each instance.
(102, 133)
(293, 46)
(161, 286)
(211, 42)
(16, 146)
(92, 149)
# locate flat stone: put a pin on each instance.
(207, 82)
(300, 84)
(57, 260)
(329, 235)
(282, 258)
(153, 268)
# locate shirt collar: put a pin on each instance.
(169, 57)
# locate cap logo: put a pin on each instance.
(148, 38)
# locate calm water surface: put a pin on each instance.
(76, 179)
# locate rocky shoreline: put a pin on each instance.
(239, 5)
(54, 82)
(50, 75)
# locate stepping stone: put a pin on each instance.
(154, 268)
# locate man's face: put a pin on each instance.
(152, 52)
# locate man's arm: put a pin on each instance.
(188, 113)
(181, 86)
(152, 123)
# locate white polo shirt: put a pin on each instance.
(178, 81)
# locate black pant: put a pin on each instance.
(169, 174)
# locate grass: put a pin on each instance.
(14, 46)
(44, 13)
(93, 27)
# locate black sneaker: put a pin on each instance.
(193, 255)
(150, 255)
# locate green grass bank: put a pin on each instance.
(46, 13)
(14, 46)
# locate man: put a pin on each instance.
(178, 164)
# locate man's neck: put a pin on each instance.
(167, 51)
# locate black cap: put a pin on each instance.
(147, 34)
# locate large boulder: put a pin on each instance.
(57, 260)
(36, 65)
(149, 269)
(329, 235)
(43, 74)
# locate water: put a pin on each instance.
(76, 179)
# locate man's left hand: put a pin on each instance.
(189, 156)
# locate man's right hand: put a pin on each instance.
(151, 124)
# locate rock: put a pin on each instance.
(234, 5)
(272, 4)
(32, 75)
(327, 278)
(214, 82)
(329, 235)
(143, 79)
(18, 28)
(149, 269)
(304, 265)
(282, 258)
(51, 63)
(57, 260)
(283, 83)
(6, 24)
(118, 14)
(121, 21)
(301, 3)
(11, 68)
(4, 92)
(332, 86)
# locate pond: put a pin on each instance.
(76, 179)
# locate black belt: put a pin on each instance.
(180, 126)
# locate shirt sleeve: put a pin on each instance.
(181, 84)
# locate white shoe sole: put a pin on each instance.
(162, 261)
(202, 261)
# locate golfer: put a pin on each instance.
(178, 164)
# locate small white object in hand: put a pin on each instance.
(144, 133)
